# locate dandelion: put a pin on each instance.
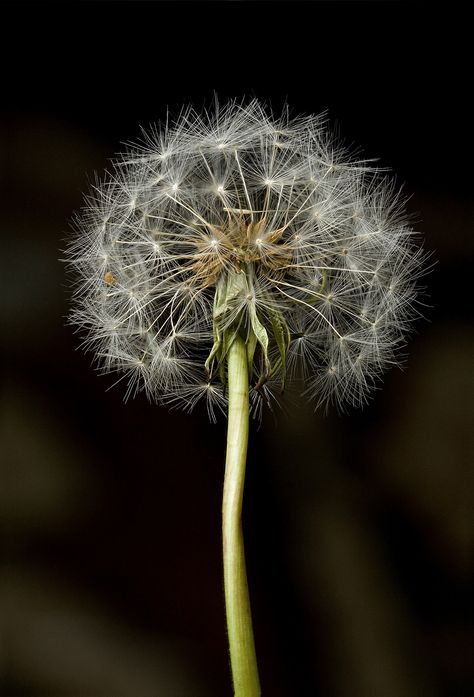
(230, 254)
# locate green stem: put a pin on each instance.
(239, 619)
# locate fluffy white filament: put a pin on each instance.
(332, 254)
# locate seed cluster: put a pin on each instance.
(301, 235)
(239, 243)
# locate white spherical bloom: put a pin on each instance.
(239, 222)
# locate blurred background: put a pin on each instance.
(359, 528)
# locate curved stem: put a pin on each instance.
(239, 619)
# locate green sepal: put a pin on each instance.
(228, 288)
(251, 345)
(261, 335)
(282, 338)
(216, 332)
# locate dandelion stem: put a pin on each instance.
(239, 619)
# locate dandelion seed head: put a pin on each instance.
(236, 220)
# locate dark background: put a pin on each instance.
(359, 528)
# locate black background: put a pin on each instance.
(359, 528)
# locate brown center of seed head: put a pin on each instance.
(236, 244)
